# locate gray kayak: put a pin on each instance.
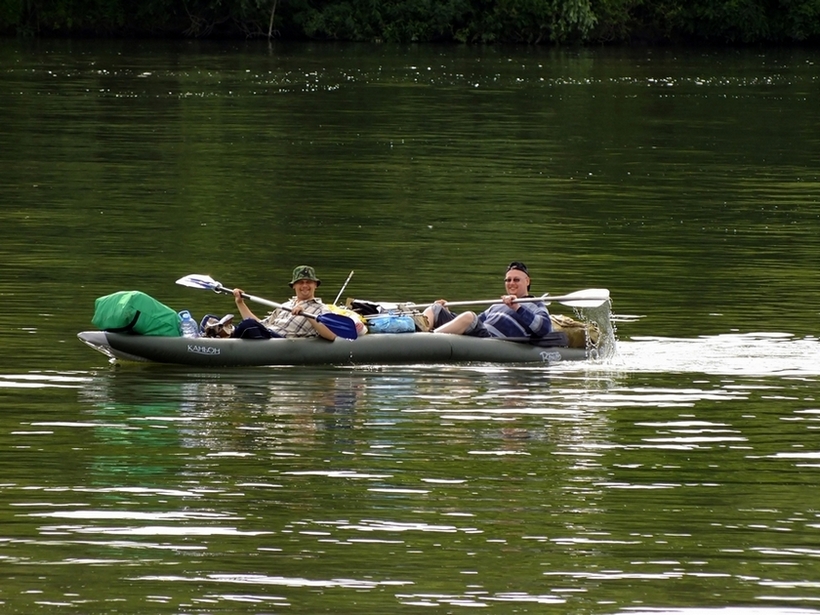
(371, 349)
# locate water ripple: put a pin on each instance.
(259, 579)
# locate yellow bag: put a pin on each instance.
(361, 328)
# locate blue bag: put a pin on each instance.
(391, 323)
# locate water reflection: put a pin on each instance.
(730, 610)
(519, 481)
(531, 471)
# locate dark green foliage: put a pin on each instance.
(725, 21)
(529, 21)
(400, 21)
(389, 21)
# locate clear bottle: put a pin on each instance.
(188, 324)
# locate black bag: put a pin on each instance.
(364, 308)
(250, 329)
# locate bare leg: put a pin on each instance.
(458, 325)
(430, 315)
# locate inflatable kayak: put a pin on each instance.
(371, 349)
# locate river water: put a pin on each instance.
(680, 475)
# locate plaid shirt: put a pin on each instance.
(285, 324)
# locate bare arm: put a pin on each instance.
(321, 329)
(244, 310)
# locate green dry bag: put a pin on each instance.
(132, 311)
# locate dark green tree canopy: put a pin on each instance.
(465, 21)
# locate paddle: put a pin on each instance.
(589, 298)
(342, 289)
(340, 325)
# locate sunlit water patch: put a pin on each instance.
(39, 380)
(751, 354)
(106, 76)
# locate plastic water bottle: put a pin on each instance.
(188, 324)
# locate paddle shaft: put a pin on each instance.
(260, 300)
(492, 301)
(342, 289)
(588, 298)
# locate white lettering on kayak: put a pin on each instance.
(197, 349)
(550, 357)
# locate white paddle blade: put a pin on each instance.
(587, 298)
(196, 280)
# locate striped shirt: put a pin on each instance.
(284, 324)
(529, 320)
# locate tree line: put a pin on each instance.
(535, 22)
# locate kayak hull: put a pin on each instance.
(371, 349)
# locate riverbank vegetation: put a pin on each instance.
(464, 21)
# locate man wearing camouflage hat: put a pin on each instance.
(287, 321)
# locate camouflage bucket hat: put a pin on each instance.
(304, 272)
